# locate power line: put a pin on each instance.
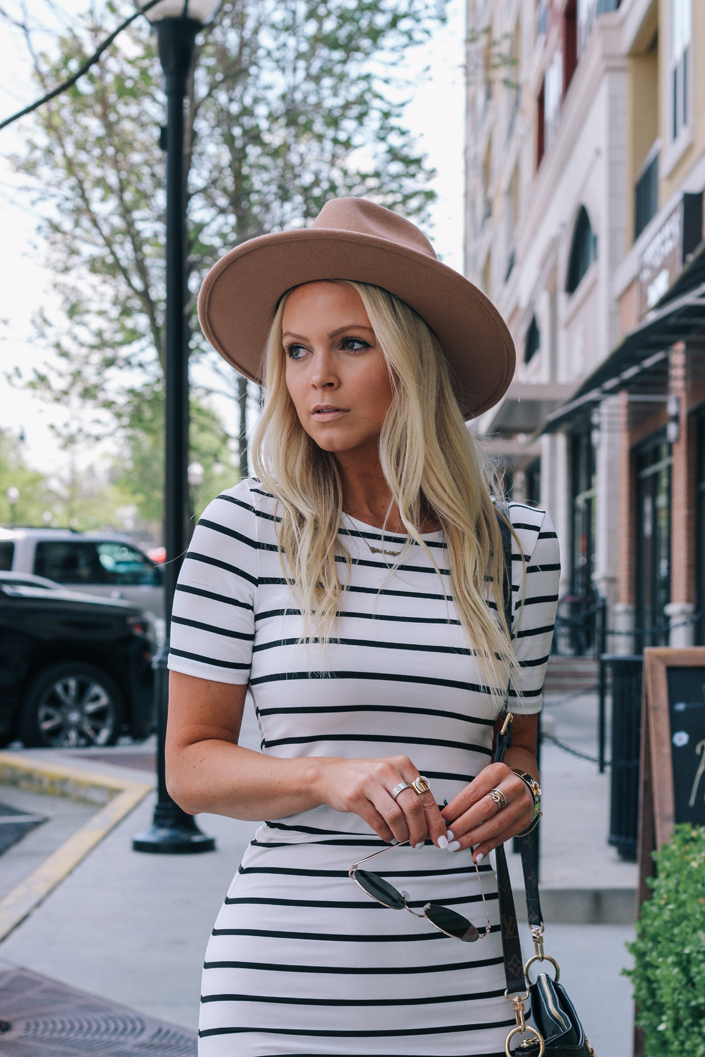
(82, 69)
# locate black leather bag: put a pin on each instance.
(556, 1029)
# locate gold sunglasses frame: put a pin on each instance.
(480, 935)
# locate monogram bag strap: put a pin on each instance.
(511, 945)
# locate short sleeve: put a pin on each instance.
(535, 599)
(213, 617)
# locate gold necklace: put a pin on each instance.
(373, 550)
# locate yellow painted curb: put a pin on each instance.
(122, 797)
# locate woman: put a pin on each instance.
(355, 588)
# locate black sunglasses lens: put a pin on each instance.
(378, 888)
(451, 923)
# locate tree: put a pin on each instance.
(293, 102)
(33, 488)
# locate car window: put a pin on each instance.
(125, 565)
(7, 551)
(69, 562)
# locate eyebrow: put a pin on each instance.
(333, 333)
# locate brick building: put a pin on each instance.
(584, 224)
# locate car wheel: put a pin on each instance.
(71, 705)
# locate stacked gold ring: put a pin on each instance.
(420, 784)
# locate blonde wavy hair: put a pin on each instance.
(431, 464)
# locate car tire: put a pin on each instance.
(71, 705)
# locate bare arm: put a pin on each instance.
(208, 771)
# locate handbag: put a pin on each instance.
(557, 1031)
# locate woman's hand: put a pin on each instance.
(473, 818)
(365, 788)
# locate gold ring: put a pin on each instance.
(526, 1030)
(420, 784)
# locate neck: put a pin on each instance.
(366, 494)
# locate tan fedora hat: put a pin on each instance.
(352, 238)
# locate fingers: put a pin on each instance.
(365, 787)
(435, 823)
(484, 826)
(369, 814)
(490, 777)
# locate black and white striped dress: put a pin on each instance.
(300, 960)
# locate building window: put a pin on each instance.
(646, 193)
(583, 251)
(653, 542)
(540, 125)
(552, 95)
(532, 479)
(680, 63)
(570, 43)
(532, 342)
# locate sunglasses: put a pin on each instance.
(442, 918)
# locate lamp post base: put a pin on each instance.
(172, 832)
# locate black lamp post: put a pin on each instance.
(176, 23)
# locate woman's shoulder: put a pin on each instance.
(534, 529)
(246, 508)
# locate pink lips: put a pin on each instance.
(328, 414)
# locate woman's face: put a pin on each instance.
(336, 373)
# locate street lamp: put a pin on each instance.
(176, 23)
(13, 494)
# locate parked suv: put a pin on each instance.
(100, 564)
(74, 670)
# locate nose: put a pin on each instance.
(323, 375)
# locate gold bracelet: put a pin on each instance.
(533, 825)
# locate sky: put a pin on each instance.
(435, 115)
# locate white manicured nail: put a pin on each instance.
(479, 858)
(442, 842)
(454, 845)
(449, 834)
(394, 840)
(419, 845)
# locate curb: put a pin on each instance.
(118, 798)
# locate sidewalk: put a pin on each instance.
(133, 928)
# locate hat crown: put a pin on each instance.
(368, 218)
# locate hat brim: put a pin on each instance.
(239, 297)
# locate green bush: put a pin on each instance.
(669, 952)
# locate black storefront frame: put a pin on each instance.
(699, 416)
(653, 462)
(578, 611)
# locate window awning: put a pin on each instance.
(642, 357)
(525, 407)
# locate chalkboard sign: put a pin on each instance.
(672, 749)
(686, 709)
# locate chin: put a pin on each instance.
(335, 441)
